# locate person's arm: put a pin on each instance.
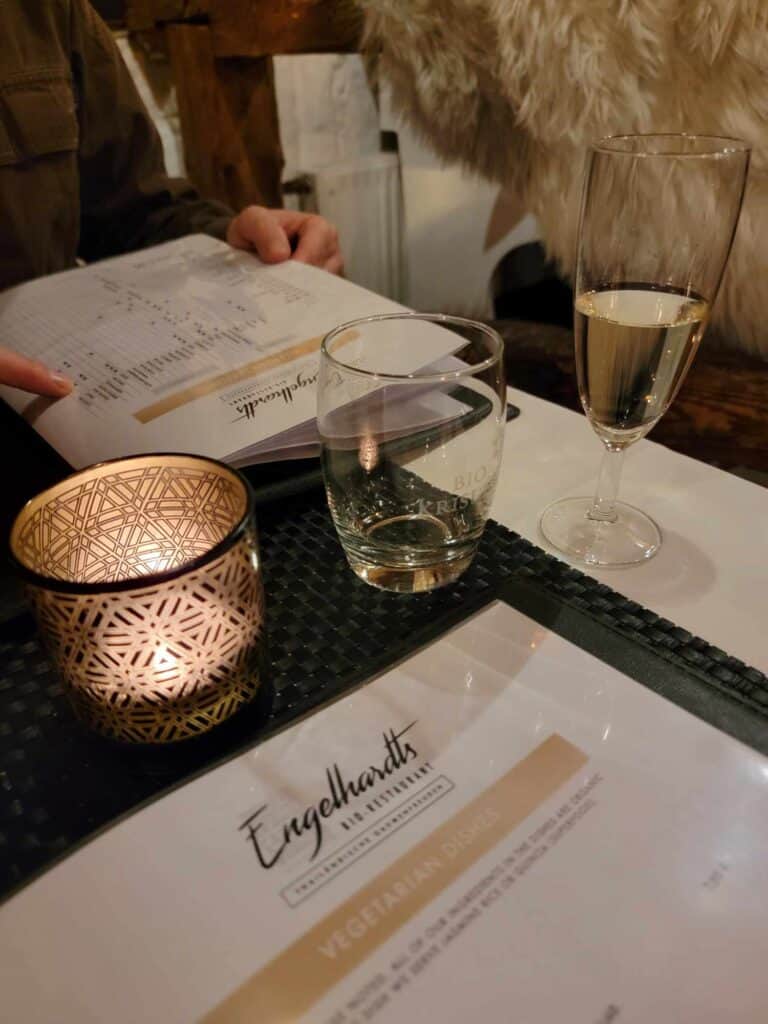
(127, 200)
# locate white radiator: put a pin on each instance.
(363, 199)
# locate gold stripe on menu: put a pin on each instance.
(225, 380)
(303, 973)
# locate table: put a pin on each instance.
(711, 574)
(329, 632)
(709, 583)
(709, 577)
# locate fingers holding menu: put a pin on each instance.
(276, 235)
(316, 240)
(18, 371)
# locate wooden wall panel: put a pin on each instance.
(719, 416)
(112, 11)
(221, 54)
(144, 14)
(229, 120)
(258, 28)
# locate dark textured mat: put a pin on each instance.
(327, 632)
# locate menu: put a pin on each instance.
(192, 346)
(501, 828)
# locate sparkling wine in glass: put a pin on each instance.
(658, 218)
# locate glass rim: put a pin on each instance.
(416, 376)
(232, 537)
(719, 145)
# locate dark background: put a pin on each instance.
(110, 10)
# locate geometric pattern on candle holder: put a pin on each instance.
(162, 663)
(123, 523)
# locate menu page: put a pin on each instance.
(501, 828)
(187, 346)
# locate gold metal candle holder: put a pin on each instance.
(144, 577)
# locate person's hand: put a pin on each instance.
(278, 235)
(27, 374)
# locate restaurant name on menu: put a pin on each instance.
(345, 792)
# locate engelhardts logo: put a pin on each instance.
(342, 792)
(247, 406)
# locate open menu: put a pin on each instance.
(191, 346)
(501, 828)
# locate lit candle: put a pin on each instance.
(144, 576)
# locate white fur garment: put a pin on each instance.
(516, 89)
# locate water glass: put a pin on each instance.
(411, 414)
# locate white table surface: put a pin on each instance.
(711, 574)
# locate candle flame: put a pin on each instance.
(368, 454)
(163, 660)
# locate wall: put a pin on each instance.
(454, 228)
(152, 75)
(327, 112)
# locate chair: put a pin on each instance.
(221, 54)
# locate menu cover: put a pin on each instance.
(501, 828)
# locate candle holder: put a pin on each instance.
(144, 576)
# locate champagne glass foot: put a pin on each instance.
(631, 538)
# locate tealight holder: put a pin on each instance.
(144, 577)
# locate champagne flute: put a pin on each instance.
(658, 217)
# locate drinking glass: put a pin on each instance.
(658, 218)
(411, 414)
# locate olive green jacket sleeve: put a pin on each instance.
(127, 201)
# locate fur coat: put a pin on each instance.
(516, 89)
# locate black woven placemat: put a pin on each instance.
(327, 632)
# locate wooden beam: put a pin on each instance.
(229, 122)
(261, 28)
(141, 15)
(112, 11)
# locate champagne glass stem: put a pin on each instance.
(604, 504)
